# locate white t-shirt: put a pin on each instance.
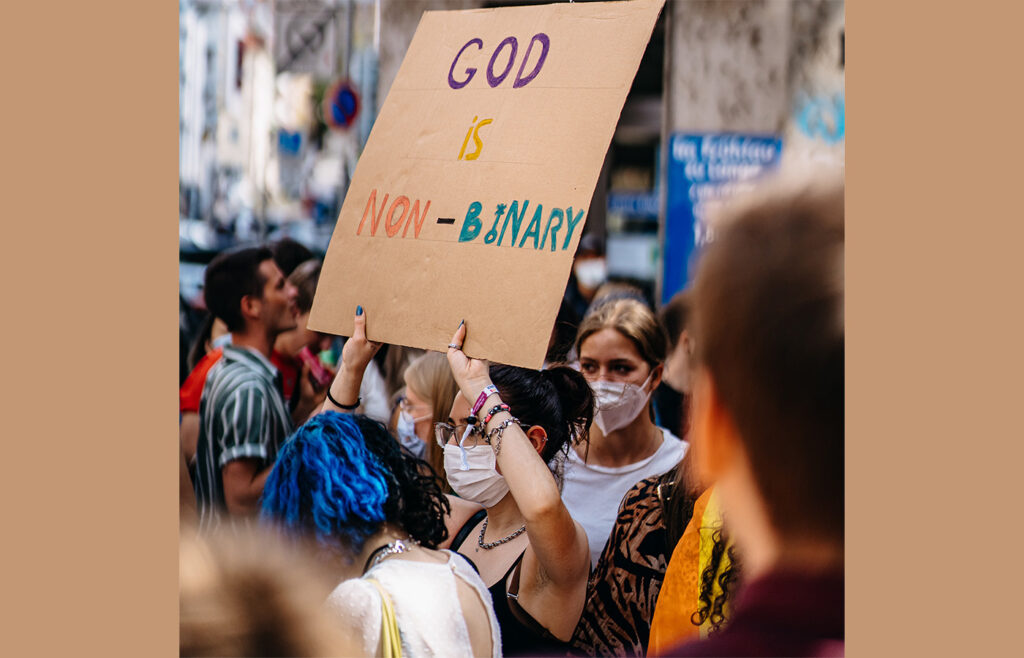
(593, 493)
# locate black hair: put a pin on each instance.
(564, 333)
(231, 276)
(558, 399)
(713, 607)
(674, 316)
(289, 254)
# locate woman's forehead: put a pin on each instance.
(608, 344)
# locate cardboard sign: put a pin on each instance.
(473, 189)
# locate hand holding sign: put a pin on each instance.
(472, 375)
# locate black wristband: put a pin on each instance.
(346, 407)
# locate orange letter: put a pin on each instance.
(418, 218)
(393, 226)
(371, 209)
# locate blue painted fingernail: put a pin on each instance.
(359, 310)
(460, 325)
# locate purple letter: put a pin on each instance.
(471, 72)
(491, 80)
(545, 42)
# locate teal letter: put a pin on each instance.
(572, 226)
(471, 227)
(534, 227)
(493, 233)
(555, 212)
(517, 220)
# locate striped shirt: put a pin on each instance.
(242, 414)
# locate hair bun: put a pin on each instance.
(575, 398)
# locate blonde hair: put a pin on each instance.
(430, 377)
(247, 593)
(634, 320)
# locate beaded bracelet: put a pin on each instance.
(488, 391)
(495, 409)
(499, 431)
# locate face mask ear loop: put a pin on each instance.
(462, 450)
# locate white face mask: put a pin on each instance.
(618, 403)
(472, 474)
(406, 430)
(591, 272)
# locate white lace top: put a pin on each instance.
(430, 619)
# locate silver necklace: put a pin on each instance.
(488, 546)
(394, 548)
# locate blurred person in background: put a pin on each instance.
(244, 418)
(672, 397)
(250, 594)
(701, 580)
(621, 348)
(589, 271)
(303, 392)
(429, 391)
(768, 416)
(343, 481)
(562, 343)
(201, 358)
(289, 254)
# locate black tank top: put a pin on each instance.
(521, 634)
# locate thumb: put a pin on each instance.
(359, 329)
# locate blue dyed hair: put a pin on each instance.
(327, 483)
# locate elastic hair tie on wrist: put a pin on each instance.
(346, 407)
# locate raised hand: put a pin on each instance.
(472, 375)
(358, 351)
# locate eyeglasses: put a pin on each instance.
(405, 405)
(446, 433)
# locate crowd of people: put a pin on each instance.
(671, 482)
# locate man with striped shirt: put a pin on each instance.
(244, 419)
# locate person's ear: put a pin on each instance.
(538, 437)
(251, 306)
(714, 435)
(656, 375)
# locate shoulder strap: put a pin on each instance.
(522, 616)
(460, 536)
(390, 640)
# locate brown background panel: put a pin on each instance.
(90, 265)
(933, 429)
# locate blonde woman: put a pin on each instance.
(622, 350)
(429, 391)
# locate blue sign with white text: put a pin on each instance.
(705, 169)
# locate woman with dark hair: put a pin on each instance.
(377, 519)
(506, 425)
(509, 519)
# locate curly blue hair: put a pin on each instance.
(340, 477)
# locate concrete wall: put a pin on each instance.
(399, 19)
(770, 66)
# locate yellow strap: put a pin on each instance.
(390, 640)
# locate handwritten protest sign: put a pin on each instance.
(472, 192)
